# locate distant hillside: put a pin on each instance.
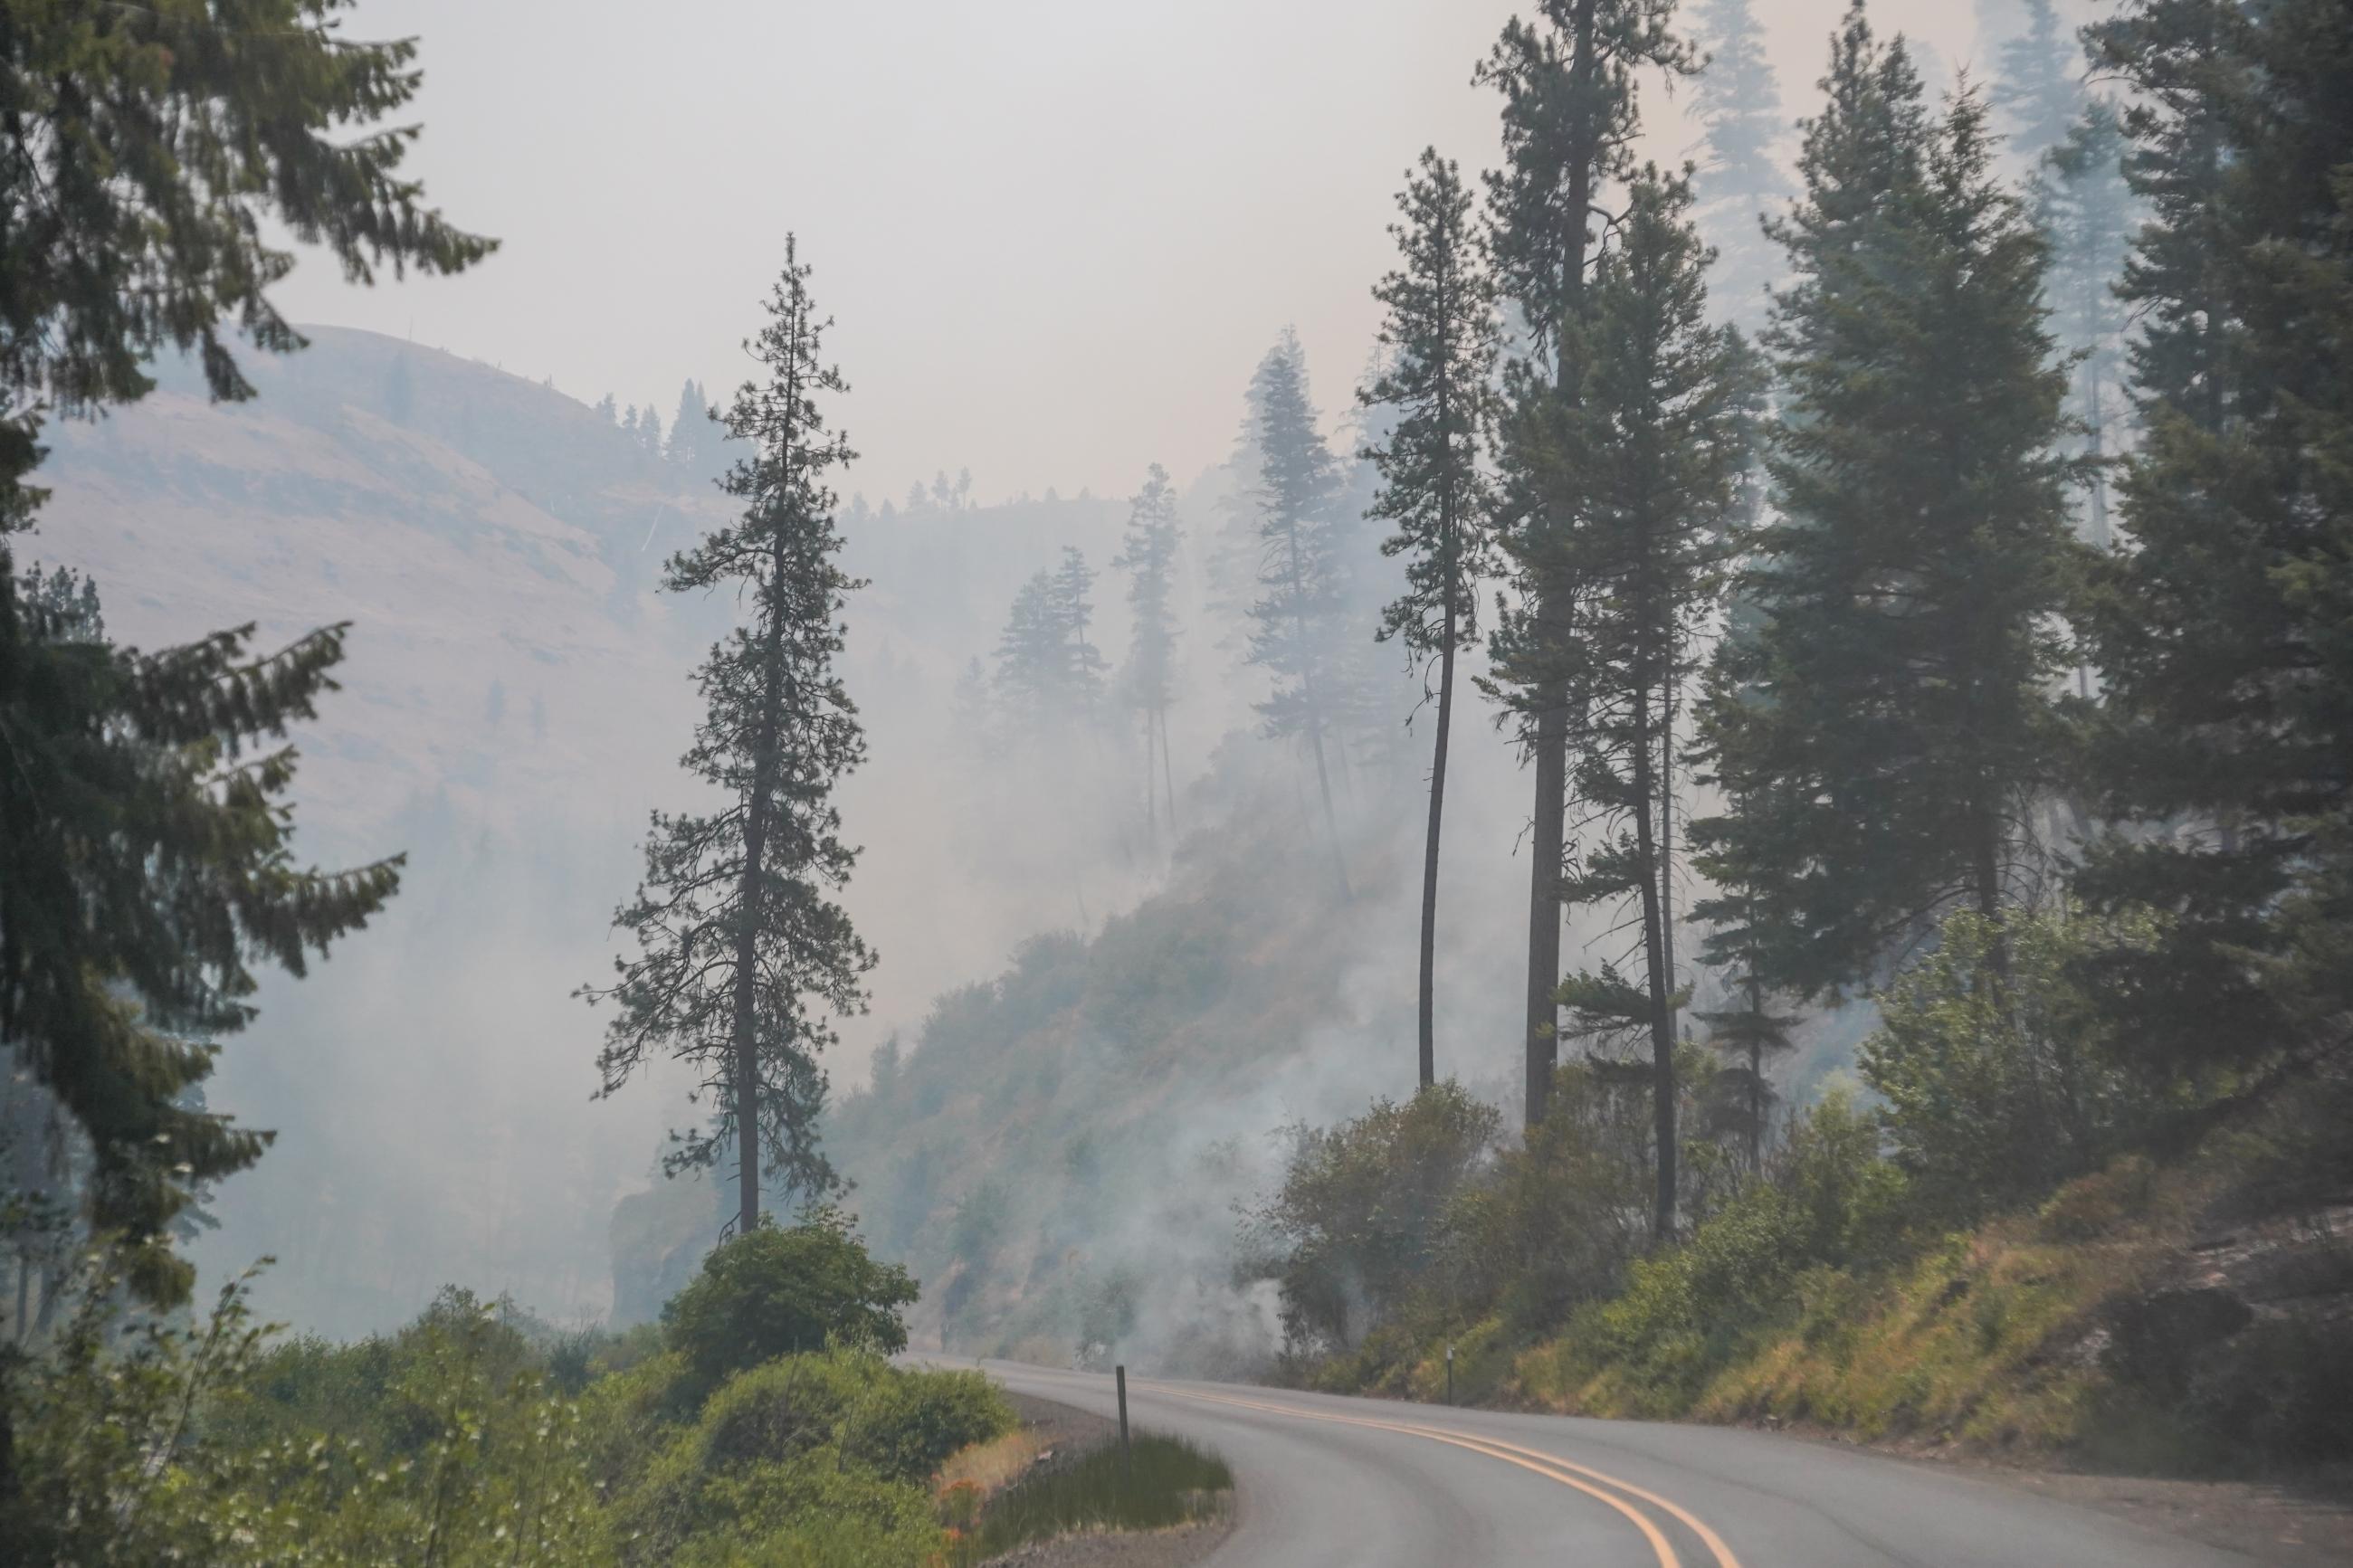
(515, 700)
(1057, 1153)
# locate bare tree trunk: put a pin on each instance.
(1151, 789)
(1670, 692)
(1663, 1034)
(1429, 1042)
(1314, 714)
(1167, 781)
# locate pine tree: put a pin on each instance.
(1441, 331)
(1884, 732)
(1567, 83)
(692, 435)
(156, 875)
(2089, 216)
(1050, 678)
(650, 431)
(2222, 635)
(1148, 680)
(2037, 87)
(144, 860)
(1298, 620)
(744, 955)
(1644, 471)
(1739, 181)
(1751, 1034)
(1071, 605)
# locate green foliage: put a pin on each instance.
(1883, 735)
(1164, 1482)
(2002, 1077)
(804, 1454)
(139, 1443)
(2222, 635)
(146, 871)
(782, 1291)
(1357, 1223)
(1828, 1201)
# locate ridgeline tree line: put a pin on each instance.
(1990, 575)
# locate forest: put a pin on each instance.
(1752, 822)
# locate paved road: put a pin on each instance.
(1368, 1483)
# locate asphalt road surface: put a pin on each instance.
(1368, 1483)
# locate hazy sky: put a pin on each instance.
(1056, 234)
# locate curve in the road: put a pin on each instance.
(1546, 1465)
(1332, 1482)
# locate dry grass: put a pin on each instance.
(991, 1467)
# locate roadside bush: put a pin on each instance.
(780, 1291)
(1357, 1224)
(139, 1442)
(767, 1454)
(2001, 1078)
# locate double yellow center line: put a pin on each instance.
(1607, 1488)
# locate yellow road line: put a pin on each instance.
(1550, 1465)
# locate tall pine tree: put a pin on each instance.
(1441, 334)
(1299, 619)
(2038, 88)
(1148, 680)
(1885, 732)
(2223, 633)
(1645, 467)
(1567, 82)
(1739, 181)
(744, 956)
(2088, 215)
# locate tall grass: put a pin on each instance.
(1171, 1483)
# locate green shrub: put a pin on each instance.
(1357, 1223)
(746, 1465)
(781, 1292)
(2000, 1076)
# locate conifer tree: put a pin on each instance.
(693, 437)
(2088, 216)
(1148, 680)
(1048, 672)
(744, 959)
(2037, 88)
(1739, 179)
(1567, 82)
(1644, 472)
(1886, 730)
(1441, 332)
(650, 431)
(1298, 620)
(2221, 633)
(1750, 1033)
(144, 860)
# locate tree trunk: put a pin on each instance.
(1167, 782)
(1663, 1034)
(1668, 694)
(1429, 1042)
(1547, 832)
(1151, 788)
(1314, 712)
(1756, 1082)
